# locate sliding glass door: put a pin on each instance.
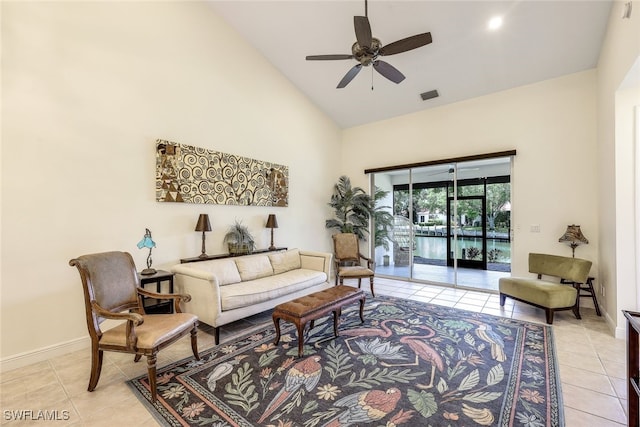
(449, 220)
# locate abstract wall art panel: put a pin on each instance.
(187, 174)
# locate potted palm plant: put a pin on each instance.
(352, 208)
(239, 239)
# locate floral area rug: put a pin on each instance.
(409, 364)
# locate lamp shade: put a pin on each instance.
(573, 236)
(272, 222)
(203, 223)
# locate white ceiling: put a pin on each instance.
(540, 39)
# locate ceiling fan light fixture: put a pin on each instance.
(429, 95)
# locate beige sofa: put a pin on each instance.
(229, 289)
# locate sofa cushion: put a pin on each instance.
(225, 270)
(285, 261)
(254, 267)
(256, 291)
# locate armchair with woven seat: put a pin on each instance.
(112, 291)
(349, 260)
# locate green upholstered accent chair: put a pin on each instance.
(545, 292)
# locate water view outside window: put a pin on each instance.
(430, 211)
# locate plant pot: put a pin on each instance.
(240, 248)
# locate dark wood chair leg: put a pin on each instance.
(151, 370)
(549, 312)
(194, 342)
(96, 367)
(371, 284)
(359, 282)
(503, 298)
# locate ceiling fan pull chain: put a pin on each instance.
(365, 9)
(372, 78)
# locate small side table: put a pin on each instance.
(588, 288)
(590, 292)
(153, 305)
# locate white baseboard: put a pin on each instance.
(42, 354)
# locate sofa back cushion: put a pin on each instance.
(571, 269)
(285, 261)
(224, 269)
(254, 267)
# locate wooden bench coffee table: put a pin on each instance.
(315, 305)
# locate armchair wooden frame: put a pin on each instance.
(348, 260)
(112, 291)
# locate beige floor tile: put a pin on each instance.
(614, 369)
(468, 307)
(583, 361)
(593, 403)
(620, 387)
(591, 366)
(586, 379)
(574, 417)
(443, 302)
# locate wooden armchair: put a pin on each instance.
(112, 291)
(348, 260)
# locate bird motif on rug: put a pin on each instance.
(304, 373)
(365, 407)
(486, 333)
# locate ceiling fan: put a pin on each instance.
(367, 49)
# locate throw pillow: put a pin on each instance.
(254, 267)
(285, 261)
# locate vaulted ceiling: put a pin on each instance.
(539, 40)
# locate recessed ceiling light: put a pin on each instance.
(495, 22)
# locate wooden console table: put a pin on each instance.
(220, 256)
(633, 363)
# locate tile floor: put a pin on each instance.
(592, 367)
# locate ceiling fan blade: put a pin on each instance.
(363, 30)
(327, 57)
(406, 44)
(349, 76)
(388, 71)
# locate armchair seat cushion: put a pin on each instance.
(355, 271)
(156, 329)
(539, 292)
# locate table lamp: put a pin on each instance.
(272, 223)
(203, 225)
(147, 242)
(573, 237)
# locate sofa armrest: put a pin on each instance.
(319, 261)
(204, 288)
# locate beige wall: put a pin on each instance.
(618, 258)
(551, 125)
(87, 88)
